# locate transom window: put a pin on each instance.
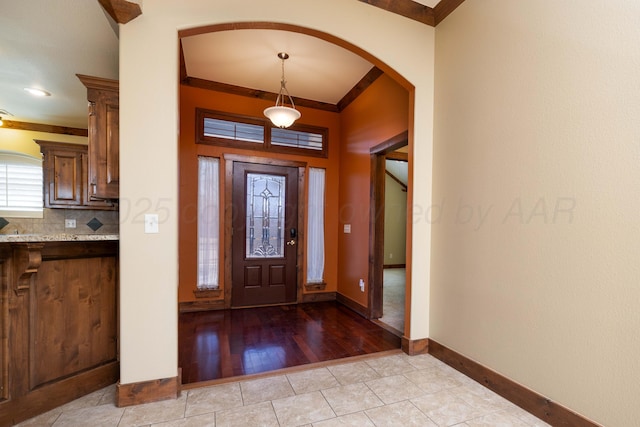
(229, 130)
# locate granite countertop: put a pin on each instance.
(62, 237)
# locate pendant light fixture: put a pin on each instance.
(281, 115)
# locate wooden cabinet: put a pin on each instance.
(104, 137)
(65, 177)
(59, 317)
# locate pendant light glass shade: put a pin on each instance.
(281, 115)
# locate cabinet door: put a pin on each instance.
(64, 169)
(104, 171)
(86, 199)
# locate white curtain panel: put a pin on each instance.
(208, 222)
(315, 227)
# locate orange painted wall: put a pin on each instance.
(192, 98)
(378, 114)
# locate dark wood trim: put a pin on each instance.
(537, 404)
(264, 161)
(228, 228)
(38, 127)
(183, 65)
(315, 286)
(444, 9)
(376, 234)
(407, 8)
(148, 391)
(397, 155)
(99, 83)
(302, 237)
(348, 302)
(389, 328)
(391, 144)
(416, 11)
(360, 87)
(401, 80)
(51, 396)
(396, 179)
(189, 306)
(254, 93)
(414, 347)
(376, 218)
(379, 67)
(395, 266)
(319, 297)
(121, 11)
(207, 293)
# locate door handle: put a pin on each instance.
(291, 242)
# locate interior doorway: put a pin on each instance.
(395, 240)
(379, 251)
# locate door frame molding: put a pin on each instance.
(229, 161)
(376, 220)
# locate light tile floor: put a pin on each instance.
(393, 291)
(390, 390)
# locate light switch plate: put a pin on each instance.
(347, 228)
(151, 223)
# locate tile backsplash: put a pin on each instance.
(53, 222)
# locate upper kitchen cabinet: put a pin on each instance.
(104, 137)
(65, 177)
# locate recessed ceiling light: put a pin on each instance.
(37, 92)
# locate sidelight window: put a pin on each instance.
(315, 226)
(208, 222)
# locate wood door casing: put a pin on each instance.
(256, 279)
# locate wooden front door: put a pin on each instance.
(265, 234)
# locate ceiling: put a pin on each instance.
(45, 44)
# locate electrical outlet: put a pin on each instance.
(69, 223)
(361, 285)
(390, 255)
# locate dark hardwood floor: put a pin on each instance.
(229, 343)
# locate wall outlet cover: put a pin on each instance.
(69, 223)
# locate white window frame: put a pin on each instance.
(21, 194)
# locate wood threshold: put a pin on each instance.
(291, 369)
(532, 402)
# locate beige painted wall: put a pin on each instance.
(395, 222)
(148, 149)
(536, 236)
(22, 141)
